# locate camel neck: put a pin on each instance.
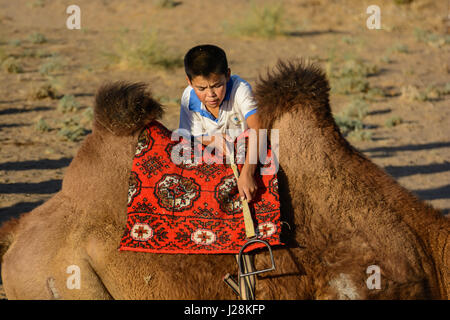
(332, 182)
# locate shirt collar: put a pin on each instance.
(229, 88)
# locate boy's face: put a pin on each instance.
(211, 89)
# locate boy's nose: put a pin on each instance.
(211, 93)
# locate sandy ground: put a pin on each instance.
(32, 163)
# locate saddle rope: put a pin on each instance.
(246, 287)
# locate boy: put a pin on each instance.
(214, 102)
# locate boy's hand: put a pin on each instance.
(218, 142)
(247, 185)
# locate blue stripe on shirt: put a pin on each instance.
(248, 114)
(229, 88)
(196, 105)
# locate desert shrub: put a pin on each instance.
(43, 91)
(12, 65)
(357, 68)
(430, 93)
(410, 93)
(50, 66)
(393, 121)
(88, 115)
(357, 109)
(350, 85)
(347, 124)
(15, 42)
(40, 53)
(33, 53)
(148, 51)
(36, 4)
(373, 93)
(350, 76)
(400, 2)
(350, 120)
(3, 55)
(37, 38)
(386, 58)
(42, 126)
(398, 48)
(360, 135)
(446, 89)
(71, 129)
(430, 38)
(166, 3)
(68, 103)
(265, 21)
(352, 128)
(348, 40)
(45, 54)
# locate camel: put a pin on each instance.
(344, 215)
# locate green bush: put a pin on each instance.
(432, 92)
(166, 3)
(393, 121)
(386, 58)
(399, 48)
(350, 76)
(50, 66)
(360, 135)
(42, 126)
(15, 42)
(400, 2)
(148, 51)
(68, 103)
(88, 114)
(37, 38)
(12, 65)
(373, 93)
(44, 91)
(71, 129)
(36, 4)
(350, 120)
(357, 109)
(433, 39)
(3, 55)
(350, 85)
(446, 89)
(347, 124)
(265, 21)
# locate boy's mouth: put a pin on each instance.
(213, 103)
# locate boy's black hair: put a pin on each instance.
(205, 59)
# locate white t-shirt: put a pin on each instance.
(237, 105)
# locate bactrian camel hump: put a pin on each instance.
(345, 207)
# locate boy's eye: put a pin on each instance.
(214, 86)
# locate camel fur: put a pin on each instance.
(344, 214)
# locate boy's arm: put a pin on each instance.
(252, 123)
(246, 184)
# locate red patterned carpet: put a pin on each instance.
(191, 208)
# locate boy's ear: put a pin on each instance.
(228, 74)
(189, 81)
